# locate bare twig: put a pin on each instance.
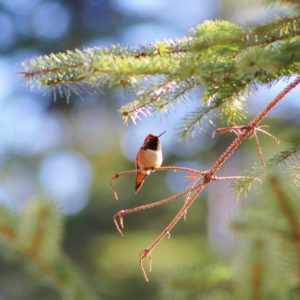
(164, 168)
(116, 176)
(276, 140)
(235, 177)
(118, 217)
(259, 148)
(238, 130)
(254, 123)
(195, 190)
(147, 252)
(188, 195)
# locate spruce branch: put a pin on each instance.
(194, 119)
(206, 176)
(159, 98)
(273, 221)
(293, 220)
(294, 172)
(288, 160)
(221, 57)
(293, 3)
(34, 235)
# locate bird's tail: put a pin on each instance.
(140, 178)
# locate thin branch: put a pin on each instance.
(276, 140)
(239, 130)
(164, 168)
(254, 123)
(209, 175)
(116, 176)
(259, 148)
(147, 252)
(235, 177)
(189, 194)
(118, 217)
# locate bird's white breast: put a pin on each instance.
(149, 158)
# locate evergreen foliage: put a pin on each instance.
(34, 237)
(228, 62)
(288, 160)
(269, 244)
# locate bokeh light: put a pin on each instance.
(67, 177)
(177, 181)
(7, 37)
(43, 22)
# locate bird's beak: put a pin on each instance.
(162, 133)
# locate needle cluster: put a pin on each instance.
(225, 59)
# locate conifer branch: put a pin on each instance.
(29, 233)
(293, 3)
(224, 58)
(292, 219)
(288, 159)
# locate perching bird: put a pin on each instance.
(148, 158)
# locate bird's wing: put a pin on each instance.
(137, 163)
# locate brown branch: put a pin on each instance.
(118, 217)
(235, 177)
(189, 194)
(164, 168)
(239, 130)
(29, 74)
(147, 252)
(276, 140)
(259, 148)
(239, 139)
(209, 175)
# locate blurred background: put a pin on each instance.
(70, 150)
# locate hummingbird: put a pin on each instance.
(148, 158)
